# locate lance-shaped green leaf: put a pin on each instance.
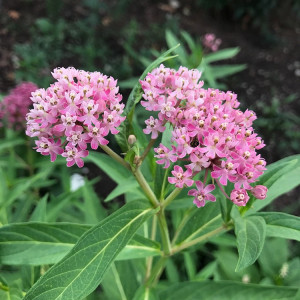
(82, 269)
(199, 222)
(44, 243)
(222, 54)
(250, 233)
(282, 225)
(134, 98)
(225, 290)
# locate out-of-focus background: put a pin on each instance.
(120, 38)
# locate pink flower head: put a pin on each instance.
(209, 132)
(239, 197)
(181, 178)
(80, 108)
(259, 192)
(15, 106)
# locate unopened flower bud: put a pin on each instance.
(259, 192)
(131, 139)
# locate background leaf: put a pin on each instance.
(250, 233)
(81, 271)
(225, 290)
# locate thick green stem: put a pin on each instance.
(171, 197)
(164, 232)
(145, 187)
(156, 271)
(115, 156)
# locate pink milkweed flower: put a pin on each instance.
(74, 156)
(181, 178)
(165, 155)
(202, 193)
(259, 192)
(154, 126)
(49, 147)
(239, 197)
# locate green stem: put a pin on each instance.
(115, 156)
(153, 236)
(145, 187)
(148, 148)
(199, 239)
(4, 287)
(156, 271)
(171, 197)
(164, 232)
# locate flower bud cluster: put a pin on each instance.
(80, 108)
(15, 106)
(209, 132)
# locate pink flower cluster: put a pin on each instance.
(208, 132)
(15, 106)
(80, 108)
(211, 42)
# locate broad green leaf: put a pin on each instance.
(225, 290)
(250, 233)
(37, 243)
(282, 225)
(82, 269)
(113, 169)
(200, 222)
(226, 70)
(221, 54)
(280, 177)
(134, 98)
(129, 184)
(47, 243)
(39, 213)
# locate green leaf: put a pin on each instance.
(282, 225)
(9, 143)
(93, 210)
(280, 178)
(226, 70)
(39, 213)
(172, 41)
(82, 269)
(200, 222)
(113, 169)
(225, 290)
(250, 233)
(38, 243)
(167, 136)
(47, 243)
(206, 272)
(221, 54)
(129, 184)
(145, 293)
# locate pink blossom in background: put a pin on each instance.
(211, 42)
(208, 132)
(15, 106)
(80, 108)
